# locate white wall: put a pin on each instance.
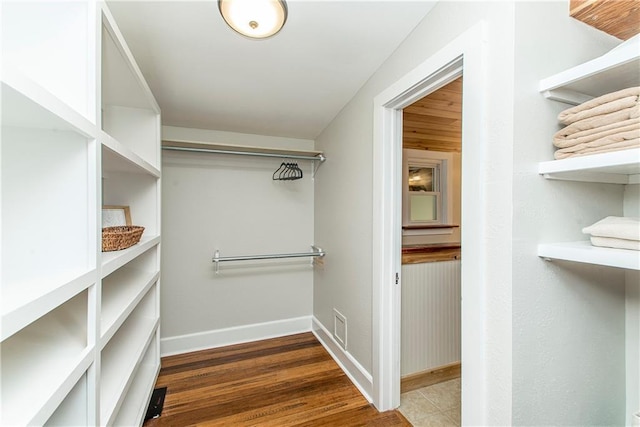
(632, 322)
(347, 281)
(568, 318)
(346, 179)
(560, 374)
(231, 203)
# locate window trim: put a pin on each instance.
(442, 162)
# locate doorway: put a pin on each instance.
(466, 52)
(431, 224)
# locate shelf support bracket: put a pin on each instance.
(567, 96)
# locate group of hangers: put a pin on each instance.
(287, 172)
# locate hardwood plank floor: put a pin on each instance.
(288, 381)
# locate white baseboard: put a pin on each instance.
(356, 373)
(236, 335)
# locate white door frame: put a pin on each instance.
(466, 54)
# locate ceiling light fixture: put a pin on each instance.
(256, 19)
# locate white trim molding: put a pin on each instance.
(354, 371)
(235, 335)
(464, 54)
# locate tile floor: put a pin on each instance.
(435, 405)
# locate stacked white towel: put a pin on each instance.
(610, 122)
(615, 232)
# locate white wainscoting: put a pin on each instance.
(430, 316)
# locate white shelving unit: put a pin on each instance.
(613, 71)
(80, 129)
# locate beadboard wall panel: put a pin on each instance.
(430, 316)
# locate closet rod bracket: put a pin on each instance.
(321, 159)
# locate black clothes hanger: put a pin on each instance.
(280, 169)
(287, 172)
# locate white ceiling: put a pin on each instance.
(206, 76)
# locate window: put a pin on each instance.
(426, 185)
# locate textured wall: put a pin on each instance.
(554, 350)
(632, 323)
(568, 318)
(346, 282)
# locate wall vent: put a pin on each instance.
(340, 328)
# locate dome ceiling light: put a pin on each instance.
(256, 19)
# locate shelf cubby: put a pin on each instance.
(138, 191)
(130, 113)
(123, 354)
(117, 158)
(73, 409)
(123, 289)
(131, 127)
(42, 362)
(69, 40)
(46, 245)
(131, 411)
(21, 309)
(25, 104)
(111, 261)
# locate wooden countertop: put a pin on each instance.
(417, 254)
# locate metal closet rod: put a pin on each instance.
(319, 157)
(317, 252)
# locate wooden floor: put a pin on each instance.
(288, 381)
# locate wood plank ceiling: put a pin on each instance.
(435, 121)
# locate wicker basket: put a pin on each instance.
(121, 237)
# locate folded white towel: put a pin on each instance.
(610, 242)
(615, 227)
(563, 139)
(605, 104)
(615, 146)
(601, 120)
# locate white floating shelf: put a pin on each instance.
(111, 261)
(584, 252)
(615, 70)
(618, 167)
(27, 104)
